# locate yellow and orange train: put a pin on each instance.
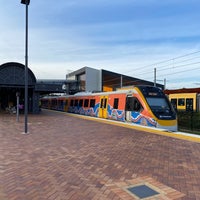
(142, 105)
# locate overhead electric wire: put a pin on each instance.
(174, 63)
(163, 70)
(165, 61)
(189, 64)
(197, 68)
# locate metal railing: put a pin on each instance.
(189, 122)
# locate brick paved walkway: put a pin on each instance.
(67, 158)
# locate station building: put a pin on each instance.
(12, 84)
(95, 80)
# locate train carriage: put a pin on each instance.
(62, 104)
(185, 101)
(83, 103)
(143, 105)
(45, 103)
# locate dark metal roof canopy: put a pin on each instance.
(115, 80)
(12, 73)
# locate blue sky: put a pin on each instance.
(131, 37)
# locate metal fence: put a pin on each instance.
(189, 122)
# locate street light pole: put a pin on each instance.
(26, 2)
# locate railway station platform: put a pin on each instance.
(64, 157)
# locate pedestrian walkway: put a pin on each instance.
(69, 158)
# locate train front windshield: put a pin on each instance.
(158, 103)
(160, 107)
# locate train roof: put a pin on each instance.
(106, 93)
(183, 90)
(120, 91)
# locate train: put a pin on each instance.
(141, 105)
(186, 99)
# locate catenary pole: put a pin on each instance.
(154, 77)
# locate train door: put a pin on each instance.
(103, 106)
(129, 107)
(132, 106)
(66, 105)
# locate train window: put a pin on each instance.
(60, 102)
(86, 102)
(54, 102)
(157, 103)
(101, 106)
(72, 102)
(129, 103)
(92, 103)
(116, 102)
(136, 105)
(181, 102)
(174, 103)
(132, 104)
(189, 104)
(81, 102)
(76, 102)
(105, 103)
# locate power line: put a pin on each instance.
(189, 64)
(164, 69)
(173, 65)
(165, 61)
(197, 68)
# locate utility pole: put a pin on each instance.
(165, 82)
(154, 77)
(121, 81)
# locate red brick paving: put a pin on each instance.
(68, 158)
